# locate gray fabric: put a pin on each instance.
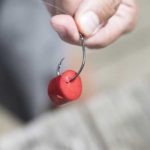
(30, 51)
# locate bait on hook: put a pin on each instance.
(67, 86)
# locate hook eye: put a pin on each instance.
(83, 60)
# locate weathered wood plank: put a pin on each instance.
(63, 130)
(122, 117)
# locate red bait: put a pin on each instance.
(61, 90)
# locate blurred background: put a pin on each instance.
(113, 111)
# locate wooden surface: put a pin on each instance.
(117, 120)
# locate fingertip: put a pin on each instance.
(66, 28)
(58, 26)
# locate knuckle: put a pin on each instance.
(109, 8)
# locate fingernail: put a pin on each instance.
(89, 23)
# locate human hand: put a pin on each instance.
(100, 21)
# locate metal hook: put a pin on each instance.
(83, 60)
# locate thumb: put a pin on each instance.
(91, 15)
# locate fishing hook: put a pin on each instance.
(83, 60)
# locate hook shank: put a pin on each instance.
(83, 60)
